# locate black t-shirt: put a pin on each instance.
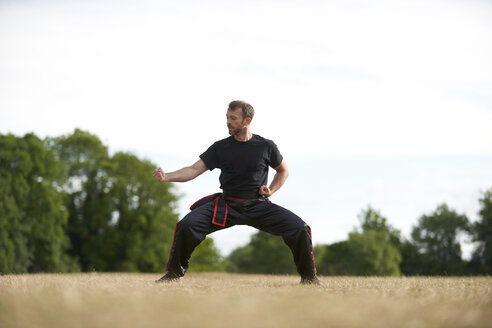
(243, 165)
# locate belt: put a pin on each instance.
(220, 207)
(242, 194)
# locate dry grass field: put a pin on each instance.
(233, 300)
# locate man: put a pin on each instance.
(244, 159)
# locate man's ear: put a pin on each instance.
(247, 120)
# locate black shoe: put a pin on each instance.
(168, 278)
(310, 281)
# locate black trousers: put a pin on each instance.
(260, 213)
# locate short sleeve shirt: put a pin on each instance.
(244, 165)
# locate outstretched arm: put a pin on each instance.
(185, 174)
(278, 180)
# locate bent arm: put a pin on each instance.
(182, 175)
(280, 177)
(278, 180)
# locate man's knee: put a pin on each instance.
(186, 223)
(304, 229)
(295, 221)
(194, 226)
(299, 225)
(298, 232)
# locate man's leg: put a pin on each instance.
(190, 231)
(295, 232)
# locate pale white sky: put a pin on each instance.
(386, 103)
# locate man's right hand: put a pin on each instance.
(159, 175)
(182, 175)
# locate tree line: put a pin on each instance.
(377, 249)
(66, 205)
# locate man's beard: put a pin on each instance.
(236, 131)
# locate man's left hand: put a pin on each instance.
(265, 191)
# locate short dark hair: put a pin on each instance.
(248, 110)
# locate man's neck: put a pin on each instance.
(244, 136)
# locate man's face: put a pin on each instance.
(235, 121)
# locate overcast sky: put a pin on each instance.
(387, 103)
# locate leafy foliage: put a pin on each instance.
(33, 219)
(120, 218)
(370, 251)
(372, 254)
(67, 205)
(206, 257)
(265, 253)
(334, 259)
(142, 216)
(87, 197)
(482, 232)
(436, 241)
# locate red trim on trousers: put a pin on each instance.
(312, 251)
(172, 245)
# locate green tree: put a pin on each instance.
(335, 259)
(371, 250)
(372, 219)
(142, 217)
(365, 253)
(372, 254)
(265, 253)
(87, 197)
(67, 205)
(412, 260)
(120, 218)
(319, 252)
(482, 231)
(32, 216)
(16, 164)
(206, 257)
(241, 260)
(374, 250)
(436, 238)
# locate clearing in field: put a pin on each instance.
(235, 300)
